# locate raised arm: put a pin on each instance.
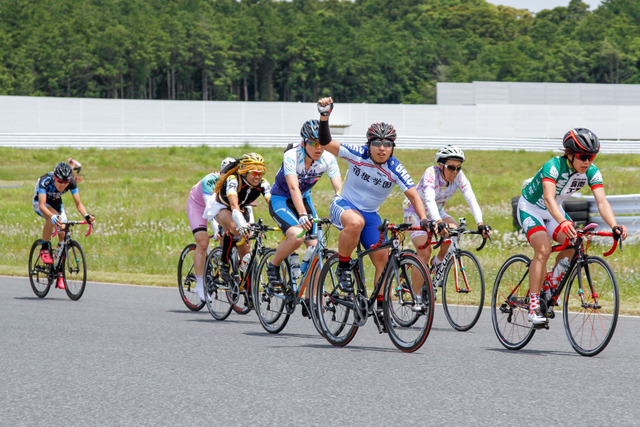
(325, 106)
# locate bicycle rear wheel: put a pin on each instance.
(333, 307)
(40, 274)
(215, 290)
(187, 279)
(75, 271)
(590, 311)
(412, 329)
(463, 291)
(510, 303)
(270, 303)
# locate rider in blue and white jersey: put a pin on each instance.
(47, 202)
(290, 204)
(373, 172)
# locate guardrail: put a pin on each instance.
(41, 140)
(626, 208)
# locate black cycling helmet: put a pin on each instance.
(63, 171)
(309, 130)
(381, 131)
(581, 140)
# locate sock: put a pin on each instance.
(344, 262)
(435, 261)
(46, 245)
(534, 302)
(199, 282)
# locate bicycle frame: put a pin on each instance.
(58, 264)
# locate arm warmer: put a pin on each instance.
(324, 132)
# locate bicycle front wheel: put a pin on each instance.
(407, 326)
(270, 302)
(510, 303)
(75, 271)
(40, 274)
(463, 291)
(591, 304)
(215, 290)
(187, 279)
(333, 307)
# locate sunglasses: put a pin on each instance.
(255, 173)
(383, 143)
(62, 182)
(586, 157)
(453, 168)
(313, 142)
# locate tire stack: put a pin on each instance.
(578, 211)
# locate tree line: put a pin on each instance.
(376, 51)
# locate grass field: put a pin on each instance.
(139, 199)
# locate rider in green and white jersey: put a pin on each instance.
(540, 210)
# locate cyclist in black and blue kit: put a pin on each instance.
(290, 205)
(47, 202)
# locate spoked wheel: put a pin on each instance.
(408, 327)
(39, 273)
(590, 311)
(333, 307)
(510, 303)
(270, 303)
(215, 290)
(463, 291)
(187, 279)
(75, 271)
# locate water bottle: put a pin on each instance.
(294, 259)
(244, 263)
(306, 259)
(560, 269)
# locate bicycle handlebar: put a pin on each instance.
(56, 230)
(590, 230)
(456, 232)
(321, 221)
(394, 228)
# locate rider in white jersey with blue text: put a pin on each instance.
(373, 172)
(290, 205)
(540, 211)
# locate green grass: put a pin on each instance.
(139, 198)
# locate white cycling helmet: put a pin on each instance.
(449, 152)
(226, 162)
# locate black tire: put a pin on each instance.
(411, 332)
(590, 324)
(187, 279)
(74, 270)
(333, 309)
(463, 291)
(316, 267)
(215, 291)
(270, 306)
(509, 303)
(40, 274)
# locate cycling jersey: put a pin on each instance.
(246, 193)
(75, 164)
(203, 190)
(567, 181)
(368, 184)
(293, 164)
(46, 185)
(436, 192)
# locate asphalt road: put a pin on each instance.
(134, 355)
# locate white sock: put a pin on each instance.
(199, 283)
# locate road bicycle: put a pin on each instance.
(589, 307)
(187, 278)
(274, 306)
(404, 277)
(461, 278)
(221, 297)
(68, 264)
